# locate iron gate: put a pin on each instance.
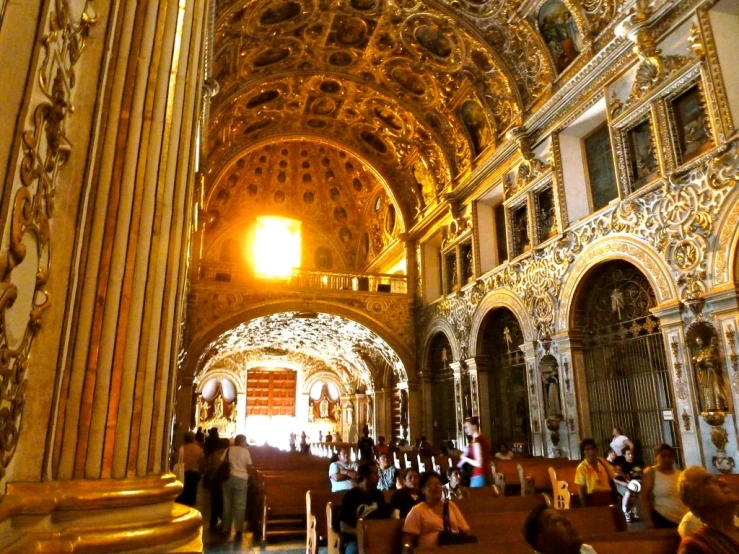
(625, 361)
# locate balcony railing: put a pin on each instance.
(303, 279)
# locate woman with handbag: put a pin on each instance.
(662, 507)
(595, 477)
(237, 461)
(435, 521)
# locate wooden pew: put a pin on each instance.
(317, 530)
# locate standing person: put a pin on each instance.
(479, 454)
(365, 445)
(304, 443)
(193, 458)
(235, 487)
(594, 476)
(212, 463)
(620, 441)
(363, 501)
(712, 501)
(343, 475)
(660, 496)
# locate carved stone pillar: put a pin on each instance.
(240, 413)
(459, 403)
(414, 410)
(111, 105)
(383, 411)
(480, 381)
(573, 387)
(360, 401)
(539, 433)
(428, 415)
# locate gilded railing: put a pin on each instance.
(304, 279)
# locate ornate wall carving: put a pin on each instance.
(25, 266)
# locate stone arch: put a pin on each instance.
(325, 376)
(222, 373)
(500, 298)
(200, 342)
(439, 325)
(618, 247)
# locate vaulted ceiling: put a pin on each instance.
(416, 90)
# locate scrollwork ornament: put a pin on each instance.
(45, 152)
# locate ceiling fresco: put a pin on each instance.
(313, 341)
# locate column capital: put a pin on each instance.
(569, 340)
(480, 363)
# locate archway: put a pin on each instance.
(626, 369)
(500, 338)
(442, 409)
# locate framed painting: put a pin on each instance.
(642, 155)
(690, 124)
(546, 214)
(520, 222)
(560, 33)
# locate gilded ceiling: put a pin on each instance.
(417, 89)
(347, 217)
(314, 341)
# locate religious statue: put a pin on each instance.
(707, 366)
(554, 406)
(507, 337)
(617, 302)
(337, 412)
(218, 407)
(323, 407)
(444, 357)
(349, 414)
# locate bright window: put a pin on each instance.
(276, 247)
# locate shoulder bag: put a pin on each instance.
(224, 470)
(448, 537)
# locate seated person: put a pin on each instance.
(387, 472)
(593, 476)
(363, 501)
(404, 499)
(548, 531)
(342, 473)
(425, 520)
(611, 457)
(628, 483)
(691, 523)
(504, 453)
(454, 488)
(710, 498)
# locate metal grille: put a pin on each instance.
(625, 362)
(508, 394)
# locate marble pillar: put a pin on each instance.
(112, 103)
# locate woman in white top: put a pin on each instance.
(234, 488)
(660, 496)
(620, 441)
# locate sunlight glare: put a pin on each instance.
(276, 247)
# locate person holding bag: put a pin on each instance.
(435, 522)
(237, 462)
(595, 477)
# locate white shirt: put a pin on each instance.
(238, 458)
(344, 485)
(618, 444)
(691, 523)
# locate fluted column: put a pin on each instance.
(101, 377)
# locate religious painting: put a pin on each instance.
(558, 28)
(546, 214)
(691, 124)
(601, 171)
(476, 123)
(450, 268)
(466, 262)
(642, 154)
(521, 240)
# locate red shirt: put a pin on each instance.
(485, 470)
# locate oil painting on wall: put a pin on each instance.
(558, 28)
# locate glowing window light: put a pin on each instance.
(276, 247)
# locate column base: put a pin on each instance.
(106, 515)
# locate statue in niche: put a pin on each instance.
(550, 380)
(507, 337)
(707, 364)
(617, 302)
(337, 411)
(444, 357)
(202, 409)
(218, 407)
(349, 414)
(323, 407)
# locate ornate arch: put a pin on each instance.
(500, 298)
(615, 247)
(222, 373)
(439, 325)
(311, 379)
(200, 342)
(723, 261)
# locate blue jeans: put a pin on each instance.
(234, 503)
(351, 548)
(477, 481)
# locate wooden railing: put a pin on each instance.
(303, 279)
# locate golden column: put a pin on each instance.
(101, 172)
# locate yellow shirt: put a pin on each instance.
(595, 480)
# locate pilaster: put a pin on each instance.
(480, 381)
